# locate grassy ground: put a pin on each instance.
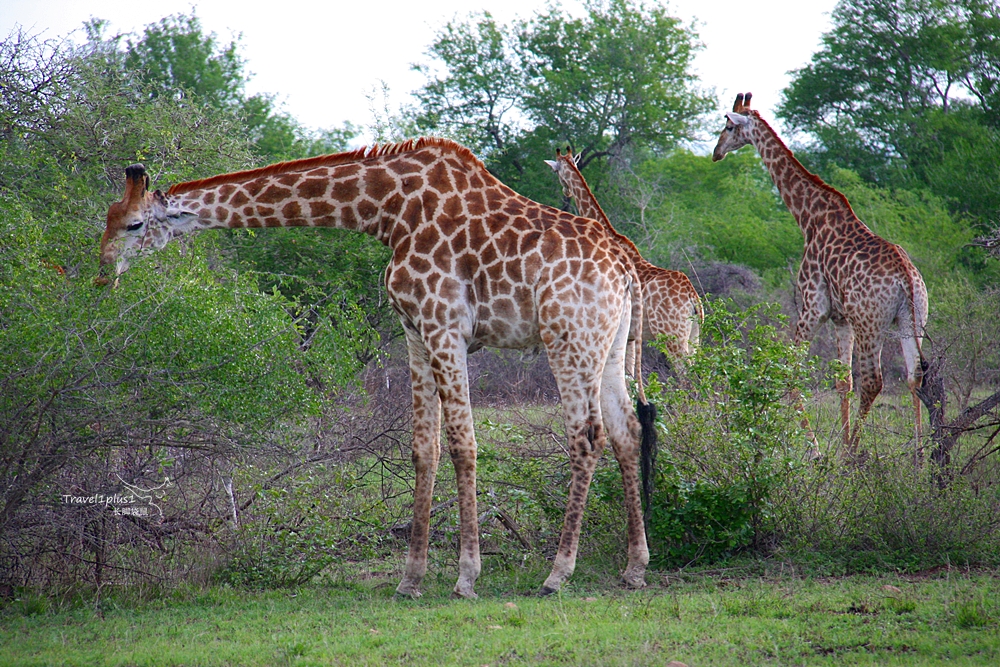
(717, 619)
(753, 613)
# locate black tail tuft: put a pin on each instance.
(647, 452)
(924, 368)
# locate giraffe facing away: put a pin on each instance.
(670, 303)
(848, 274)
(473, 264)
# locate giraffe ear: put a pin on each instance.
(576, 159)
(553, 164)
(738, 119)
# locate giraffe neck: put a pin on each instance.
(588, 207)
(383, 192)
(813, 203)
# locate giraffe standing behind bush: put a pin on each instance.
(849, 274)
(670, 303)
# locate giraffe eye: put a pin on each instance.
(134, 226)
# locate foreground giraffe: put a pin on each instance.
(848, 274)
(670, 304)
(473, 264)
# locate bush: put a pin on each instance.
(888, 514)
(184, 367)
(732, 438)
(294, 529)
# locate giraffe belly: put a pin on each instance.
(498, 332)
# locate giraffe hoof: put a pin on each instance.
(546, 591)
(413, 595)
(470, 595)
(407, 590)
(634, 582)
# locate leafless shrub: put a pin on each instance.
(990, 242)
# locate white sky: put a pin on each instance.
(324, 60)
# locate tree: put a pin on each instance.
(618, 77)
(176, 55)
(903, 87)
(476, 103)
(177, 58)
(181, 363)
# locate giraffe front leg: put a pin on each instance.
(795, 396)
(462, 445)
(844, 334)
(451, 374)
(426, 455)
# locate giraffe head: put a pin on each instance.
(560, 165)
(140, 222)
(736, 134)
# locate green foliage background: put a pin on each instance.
(225, 356)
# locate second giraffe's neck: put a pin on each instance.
(588, 206)
(808, 198)
(380, 191)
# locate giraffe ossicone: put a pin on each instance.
(473, 264)
(848, 274)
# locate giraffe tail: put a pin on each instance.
(647, 454)
(918, 304)
(645, 411)
(916, 299)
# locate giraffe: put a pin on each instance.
(848, 274)
(473, 264)
(670, 302)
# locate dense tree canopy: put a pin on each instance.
(190, 351)
(620, 75)
(476, 102)
(176, 57)
(618, 78)
(907, 92)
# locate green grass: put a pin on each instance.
(699, 620)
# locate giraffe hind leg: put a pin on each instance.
(587, 438)
(625, 433)
(870, 379)
(578, 366)
(915, 369)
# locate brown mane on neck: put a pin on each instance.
(811, 176)
(363, 153)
